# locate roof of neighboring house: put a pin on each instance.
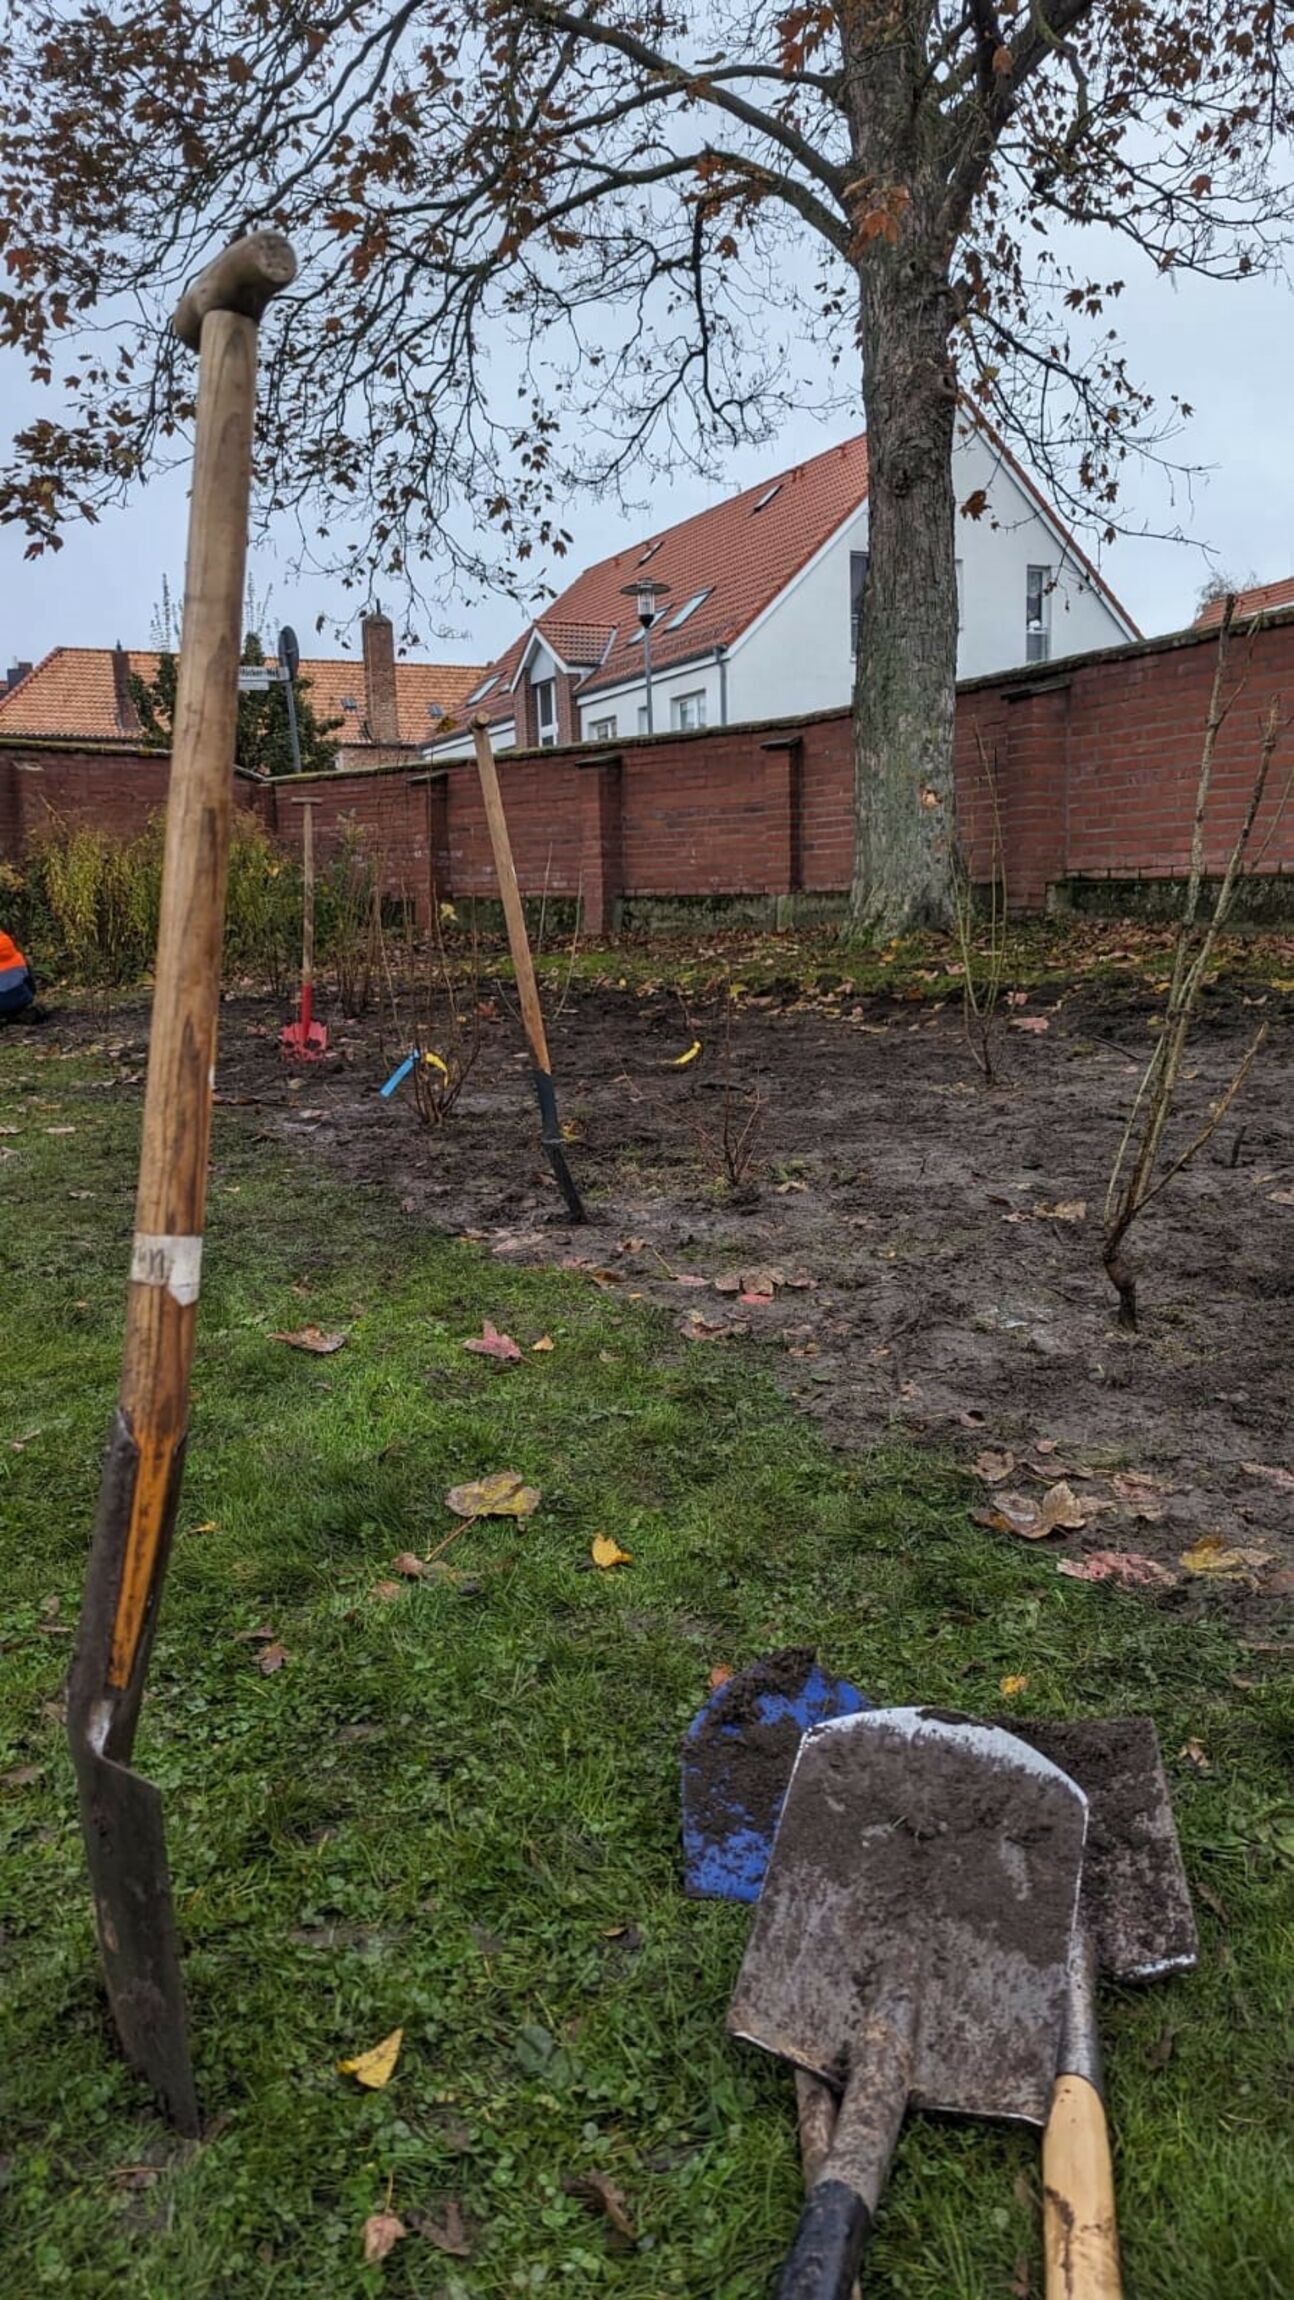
(725, 565)
(73, 693)
(733, 560)
(1261, 600)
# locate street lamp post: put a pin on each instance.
(646, 594)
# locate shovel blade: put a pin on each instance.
(926, 1863)
(121, 1818)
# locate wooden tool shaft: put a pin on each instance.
(1080, 2229)
(506, 872)
(166, 1259)
(308, 897)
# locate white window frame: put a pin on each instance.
(643, 727)
(1038, 583)
(961, 598)
(856, 600)
(601, 730)
(681, 705)
(545, 728)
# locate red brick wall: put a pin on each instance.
(1093, 761)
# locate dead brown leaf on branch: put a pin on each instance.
(1140, 1173)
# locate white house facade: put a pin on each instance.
(756, 605)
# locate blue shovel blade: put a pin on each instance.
(737, 1757)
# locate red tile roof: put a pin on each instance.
(72, 693)
(1263, 599)
(740, 554)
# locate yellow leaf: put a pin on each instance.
(545, 1342)
(681, 1061)
(606, 1552)
(437, 1064)
(376, 2067)
(1213, 1556)
(1013, 1685)
(502, 1494)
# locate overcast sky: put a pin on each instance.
(1227, 349)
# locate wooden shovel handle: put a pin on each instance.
(1080, 2229)
(815, 2114)
(506, 872)
(221, 308)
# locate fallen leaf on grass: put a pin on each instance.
(681, 1061)
(607, 1552)
(1010, 1686)
(261, 1635)
(376, 2067)
(602, 2195)
(382, 2232)
(448, 2235)
(1196, 1755)
(410, 1566)
(21, 1777)
(1059, 1511)
(1284, 1478)
(993, 1467)
(386, 1591)
(1126, 1566)
(695, 1328)
(271, 1658)
(490, 1343)
(314, 1339)
(545, 1342)
(718, 1676)
(1213, 1556)
(502, 1494)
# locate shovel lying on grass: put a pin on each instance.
(910, 1947)
(527, 987)
(121, 1813)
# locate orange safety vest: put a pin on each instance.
(10, 955)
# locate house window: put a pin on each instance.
(687, 710)
(545, 694)
(601, 730)
(1037, 615)
(857, 585)
(479, 694)
(643, 727)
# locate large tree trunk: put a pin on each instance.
(907, 656)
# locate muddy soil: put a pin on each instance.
(914, 1253)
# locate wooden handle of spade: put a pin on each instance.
(1080, 2229)
(510, 894)
(219, 315)
(1080, 2226)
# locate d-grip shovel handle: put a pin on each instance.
(838, 2213)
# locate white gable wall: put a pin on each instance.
(797, 657)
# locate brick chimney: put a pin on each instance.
(379, 678)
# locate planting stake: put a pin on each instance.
(305, 1038)
(121, 1813)
(531, 1012)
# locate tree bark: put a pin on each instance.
(905, 678)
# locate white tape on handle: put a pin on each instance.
(172, 1263)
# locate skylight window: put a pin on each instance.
(689, 607)
(767, 497)
(478, 694)
(651, 551)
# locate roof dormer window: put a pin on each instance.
(479, 694)
(689, 607)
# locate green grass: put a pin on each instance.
(492, 1860)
